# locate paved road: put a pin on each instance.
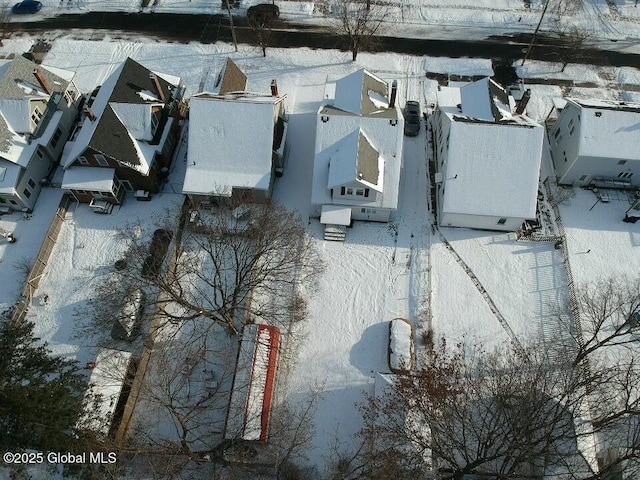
(213, 28)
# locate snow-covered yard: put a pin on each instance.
(383, 271)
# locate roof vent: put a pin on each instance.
(360, 175)
(598, 114)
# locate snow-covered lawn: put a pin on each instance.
(600, 243)
(87, 247)
(383, 271)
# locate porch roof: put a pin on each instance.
(89, 178)
(335, 215)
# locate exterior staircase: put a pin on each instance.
(335, 233)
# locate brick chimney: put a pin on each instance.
(522, 104)
(90, 113)
(154, 79)
(394, 93)
(274, 88)
(43, 81)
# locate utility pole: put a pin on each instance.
(233, 30)
(535, 33)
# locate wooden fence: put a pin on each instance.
(40, 263)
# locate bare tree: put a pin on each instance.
(262, 28)
(358, 24)
(511, 413)
(231, 264)
(575, 42)
(469, 411)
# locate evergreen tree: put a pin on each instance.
(40, 395)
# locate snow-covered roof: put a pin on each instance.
(106, 381)
(485, 100)
(348, 144)
(362, 93)
(88, 178)
(493, 169)
(335, 215)
(356, 160)
(230, 142)
(482, 100)
(609, 128)
(253, 384)
(9, 175)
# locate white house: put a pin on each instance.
(358, 153)
(236, 143)
(38, 105)
(596, 139)
(487, 158)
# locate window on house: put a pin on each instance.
(56, 137)
(359, 192)
(366, 192)
(625, 175)
(565, 155)
(27, 193)
(558, 140)
(128, 186)
(622, 162)
(39, 154)
(369, 211)
(36, 116)
(31, 183)
(571, 123)
(13, 202)
(70, 97)
(349, 191)
(582, 178)
(154, 122)
(502, 221)
(342, 190)
(571, 130)
(83, 160)
(557, 134)
(81, 192)
(101, 159)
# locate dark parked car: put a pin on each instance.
(412, 118)
(157, 252)
(26, 7)
(263, 13)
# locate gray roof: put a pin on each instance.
(111, 137)
(20, 70)
(367, 161)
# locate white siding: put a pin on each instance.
(483, 222)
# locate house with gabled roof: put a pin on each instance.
(488, 155)
(38, 106)
(597, 141)
(358, 153)
(127, 136)
(236, 140)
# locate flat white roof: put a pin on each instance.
(609, 129)
(230, 143)
(493, 169)
(335, 215)
(88, 178)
